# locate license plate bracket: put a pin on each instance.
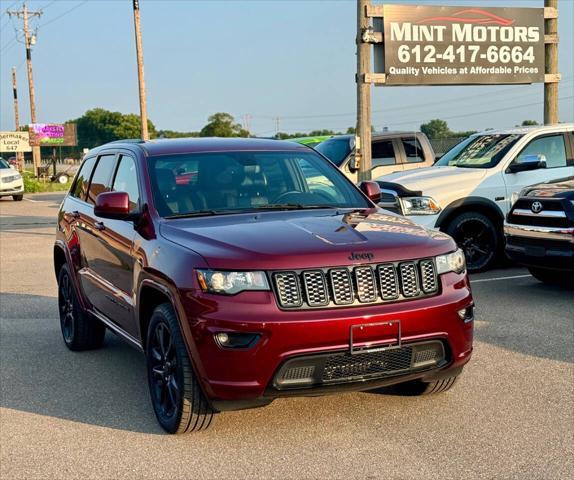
(375, 346)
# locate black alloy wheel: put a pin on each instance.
(178, 401)
(163, 370)
(79, 330)
(476, 234)
(66, 306)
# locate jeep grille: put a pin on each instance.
(365, 284)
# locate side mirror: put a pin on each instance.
(371, 190)
(527, 163)
(114, 205)
(353, 164)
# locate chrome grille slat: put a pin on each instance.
(429, 282)
(366, 285)
(288, 289)
(389, 282)
(355, 285)
(409, 279)
(315, 288)
(342, 286)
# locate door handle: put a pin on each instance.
(99, 226)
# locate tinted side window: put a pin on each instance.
(552, 147)
(383, 153)
(101, 178)
(413, 150)
(80, 187)
(127, 181)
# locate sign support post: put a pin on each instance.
(551, 62)
(363, 131)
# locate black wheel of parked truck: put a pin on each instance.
(79, 330)
(179, 404)
(478, 236)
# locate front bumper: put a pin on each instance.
(547, 247)
(427, 221)
(239, 378)
(11, 188)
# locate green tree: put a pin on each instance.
(436, 129)
(99, 126)
(528, 123)
(222, 125)
(174, 134)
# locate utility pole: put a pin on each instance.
(363, 132)
(19, 155)
(551, 67)
(139, 51)
(277, 120)
(25, 14)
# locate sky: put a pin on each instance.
(269, 59)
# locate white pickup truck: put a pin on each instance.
(469, 191)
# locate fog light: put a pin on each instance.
(222, 338)
(236, 339)
(467, 314)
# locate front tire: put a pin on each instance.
(17, 198)
(178, 401)
(79, 330)
(478, 236)
(551, 277)
(418, 387)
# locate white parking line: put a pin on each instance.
(498, 278)
(34, 201)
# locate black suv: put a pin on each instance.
(539, 230)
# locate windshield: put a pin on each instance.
(336, 149)
(234, 182)
(4, 163)
(482, 151)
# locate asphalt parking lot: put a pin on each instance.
(88, 415)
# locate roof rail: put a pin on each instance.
(128, 140)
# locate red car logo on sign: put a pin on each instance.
(471, 15)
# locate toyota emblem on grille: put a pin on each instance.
(536, 207)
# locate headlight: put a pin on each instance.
(515, 196)
(229, 283)
(451, 262)
(419, 206)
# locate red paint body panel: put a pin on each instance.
(114, 266)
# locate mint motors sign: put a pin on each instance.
(427, 45)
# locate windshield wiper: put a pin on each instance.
(201, 213)
(291, 206)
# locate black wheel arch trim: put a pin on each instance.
(167, 289)
(467, 203)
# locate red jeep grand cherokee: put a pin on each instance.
(248, 270)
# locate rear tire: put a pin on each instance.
(551, 277)
(178, 401)
(79, 330)
(478, 236)
(418, 387)
(17, 198)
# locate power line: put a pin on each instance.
(449, 117)
(70, 10)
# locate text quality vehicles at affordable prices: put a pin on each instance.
(467, 193)
(243, 281)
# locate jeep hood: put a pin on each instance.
(433, 181)
(304, 239)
